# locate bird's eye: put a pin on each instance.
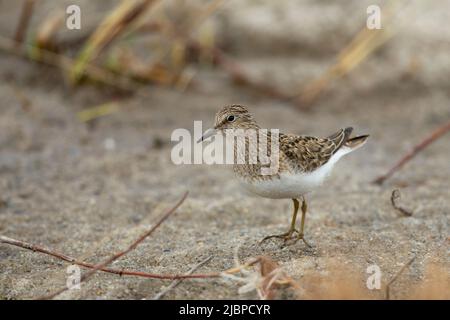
(231, 118)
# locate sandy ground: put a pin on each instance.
(63, 186)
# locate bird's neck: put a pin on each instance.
(248, 151)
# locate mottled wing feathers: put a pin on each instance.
(340, 137)
(306, 153)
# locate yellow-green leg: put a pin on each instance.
(302, 223)
(287, 235)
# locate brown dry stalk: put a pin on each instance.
(272, 277)
(228, 64)
(365, 43)
(231, 66)
(120, 272)
(25, 16)
(436, 134)
(110, 28)
(47, 30)
(65, 63)
(115, 78)
(120, 254)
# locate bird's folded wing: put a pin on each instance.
(306, 153)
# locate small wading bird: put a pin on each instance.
(304, 162)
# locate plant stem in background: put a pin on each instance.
(436, 134)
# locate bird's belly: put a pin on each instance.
(294, 185)
(286, 186)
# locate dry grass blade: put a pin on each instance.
(117, 255)
(362, 45)
(124, 61)
(46, 32)
(267, 277)
(111, 27)
(64, 63)
(98, 111)
(181, 40)
(272, 276)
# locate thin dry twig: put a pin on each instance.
(120, 272)
(25, 16)
(388, 286)
(178, 281)
(119, 254)
(435, 135)
(394, 196)
(227, 274)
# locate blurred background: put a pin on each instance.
(87, 114)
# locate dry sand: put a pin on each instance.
(63, 186)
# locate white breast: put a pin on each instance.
(294, 185)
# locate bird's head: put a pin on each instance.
(231, 117)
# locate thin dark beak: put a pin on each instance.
(208, 133)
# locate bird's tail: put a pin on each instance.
(356, 142)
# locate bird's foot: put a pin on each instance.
(289, 238)
(301, 236)
(285, 236)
